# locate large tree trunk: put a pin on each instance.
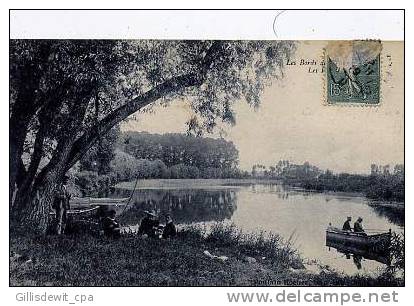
(37, 194)
(17, 135)
(33, 203)
(23, 110)
(34, 218)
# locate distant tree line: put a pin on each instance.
(285, 169)
(127, 156)
(174, 156)
(383, 183)
(174, 149)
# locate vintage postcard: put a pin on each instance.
(172, 162)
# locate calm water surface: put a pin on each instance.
(295, 214)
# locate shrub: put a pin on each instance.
(181, 171)
(123, 165)
(92, 184)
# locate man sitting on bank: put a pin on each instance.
(111, 226)
(169, 230)
(149, 224)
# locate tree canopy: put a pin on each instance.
(65, 94)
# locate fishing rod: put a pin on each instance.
(131, 195)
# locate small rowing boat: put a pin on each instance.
(84, 202)
(378, 243)
(83, 213)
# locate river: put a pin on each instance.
(297, 215)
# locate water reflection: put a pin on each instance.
(185, 206)
(293, 213)
(357, 260)
(394, 213)
(358, 255)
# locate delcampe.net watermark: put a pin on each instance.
(297, 296)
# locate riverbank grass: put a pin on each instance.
(222, 257)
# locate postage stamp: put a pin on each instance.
(353, 73)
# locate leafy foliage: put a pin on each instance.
(126, 167)
(99, 156)
(90, 183)
(174, 149)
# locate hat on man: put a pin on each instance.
(150, 212)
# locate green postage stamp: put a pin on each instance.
(353, 72)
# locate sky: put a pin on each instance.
(294, 123)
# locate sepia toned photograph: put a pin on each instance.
(158, 162)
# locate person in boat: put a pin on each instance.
(358, 226)
(169, 230)
(61, 205)
(347, 225)
(149, 224)
(111, 227)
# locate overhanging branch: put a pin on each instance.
(173, 85)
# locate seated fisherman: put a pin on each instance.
(169, 229)
(149, 224)
(111, 227)
(358, 226)
(347, 225)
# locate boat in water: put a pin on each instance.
(80, 213)
(91, 207)
(374, 247)
(89, 202)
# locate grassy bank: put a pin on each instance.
(233, 259)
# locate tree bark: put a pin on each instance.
(17, 135)
(23, 110)
(33, 212)
(24, 186)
